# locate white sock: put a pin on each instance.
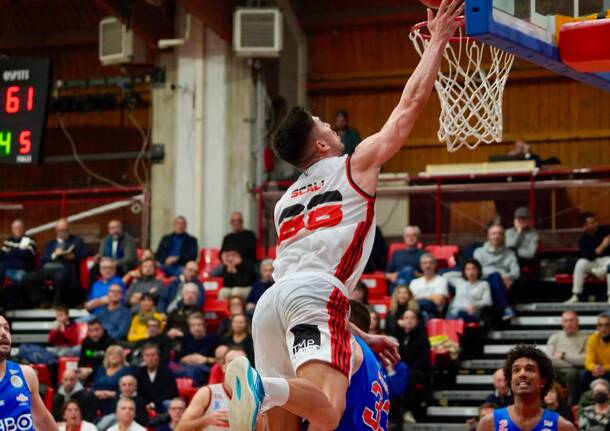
(277, 392)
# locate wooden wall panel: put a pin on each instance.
(362, 69)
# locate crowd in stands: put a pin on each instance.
(147, 331)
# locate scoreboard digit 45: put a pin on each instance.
(24, 92)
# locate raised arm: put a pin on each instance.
(380, 147)
(194, 419)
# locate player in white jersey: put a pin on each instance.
(325, 224)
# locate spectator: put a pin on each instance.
(114, 316)
(472, 294)
(136, 273)
(378, 259)
(202, 413)
(522, 238)
(119, 246)
(176, 409)
(404, 264)
(594, 254)
(156, 381)
(554, 401)
(348, 135)
(500, 268)
(430, 290)
(72, 389)
(239, 335)
(128, 388)
(501, 396)
(98, 295)
(73, 418)
(197, 352)
(361, 293)
(60, 262)
(375, 327)
(93, 349)
(154, 335)
(138, 330)
(484, 410)
(237, 305)
(65, 334)
(177, 320)
(240, 239)
(260, 286)
(106, 381)
(597, 353)
(176, 249)
(172, 294)
(521, 151)
(414, 349)
(146, 283)
(238, 275)
(402, 300)
(596, 417)
(126, 413)
(566, 348)
(17, 258)
(217, 373)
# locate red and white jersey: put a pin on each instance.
(219, 401)
(325, 224)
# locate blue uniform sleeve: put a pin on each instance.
(397, 382)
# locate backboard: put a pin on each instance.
(530, 30)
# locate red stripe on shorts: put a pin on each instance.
(341, 349)
(353, 252)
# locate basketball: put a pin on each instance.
(431, 3)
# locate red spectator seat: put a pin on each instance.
(215, 311)
(376, 284)
(382, 307)
(48, 398)
(44, 377)
(85, 266)
(454, 329)
(260, 252)
(208, 259)
(67, 363)
(568, 279)
(444, 254)
(394, 247)
(272, 252)
(212, 286)
(186, 389)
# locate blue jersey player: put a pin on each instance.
(21, 408)
(529, 372)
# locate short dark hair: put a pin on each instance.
(149, 346)
(67, 403)
(293, 135)
(62, 308)
(545, 366)
(475, 263)
(95, 321)
(148, 295)
(360, 315)
(342, 113)
(584, 216)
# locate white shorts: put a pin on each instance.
(302, 318)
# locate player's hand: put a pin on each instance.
(385, 347)
(220, 419)
(442, 26)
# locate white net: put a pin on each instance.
(470, 88)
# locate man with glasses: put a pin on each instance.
(240, 239)
(597, 358)
(566, 349)
(98, 295)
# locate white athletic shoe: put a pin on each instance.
(248, 394)
(573, 299)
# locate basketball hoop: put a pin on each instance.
(470, 89)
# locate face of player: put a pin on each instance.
(324, 133)
(526, 378)
(569, 322)
(5, 339)
(72, 415)
(495, 236)
(471, 272)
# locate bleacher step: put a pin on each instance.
(554, 321)
(474, 379)
(43, 314)
(433, 427)
(466, 412)
(501, 349)
(461, 395)
(481, 364)
(560, 307)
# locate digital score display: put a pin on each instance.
(24, 92)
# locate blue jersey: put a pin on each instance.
(367, 400)
(15, 400)
(503, 422)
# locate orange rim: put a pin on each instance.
(424, 24)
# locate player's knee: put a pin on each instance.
(327, 422)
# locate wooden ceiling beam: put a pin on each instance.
(218, 15)
(362, 17)
(149, 22)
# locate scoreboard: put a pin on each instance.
(24, 93)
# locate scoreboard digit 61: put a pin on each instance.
(24, 92)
